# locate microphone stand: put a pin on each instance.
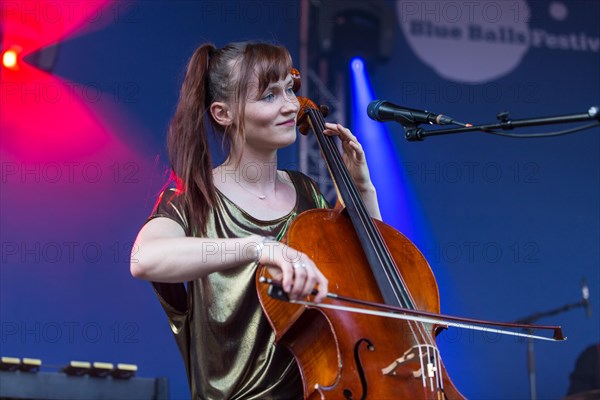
(414, 133)
(530, 350)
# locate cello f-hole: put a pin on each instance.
(363, 380)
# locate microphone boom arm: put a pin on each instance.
(415, 133)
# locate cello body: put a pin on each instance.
(341, 355)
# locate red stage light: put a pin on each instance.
(10, 58)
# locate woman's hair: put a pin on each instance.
(221, 75)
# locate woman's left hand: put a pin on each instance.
(354, 156)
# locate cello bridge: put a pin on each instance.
(422, 354)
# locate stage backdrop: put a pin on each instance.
(509, 226)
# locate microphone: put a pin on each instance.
(382, 111)
(585, 295)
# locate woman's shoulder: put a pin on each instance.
(170, 205)
(169, 199)
(306, 187)
(298, 177)
(169, 194)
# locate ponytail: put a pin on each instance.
(187, 142)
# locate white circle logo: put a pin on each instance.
(470, 42)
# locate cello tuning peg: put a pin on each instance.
(296, 79)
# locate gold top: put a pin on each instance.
(226, 342)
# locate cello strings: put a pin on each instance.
(367, 223)
(372, 232)
(438, 362)
(423, 336)
(365, 219)
(423, 372)
(429, 370)
(356, 200)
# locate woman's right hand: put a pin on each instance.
(297, 273)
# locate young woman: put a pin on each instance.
(218, 224)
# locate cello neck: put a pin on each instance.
(390, 283)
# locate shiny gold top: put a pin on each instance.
(225, 340)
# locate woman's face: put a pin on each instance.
(270, 116)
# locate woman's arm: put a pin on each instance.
(355, 161)
(162, 253)
(369, 197)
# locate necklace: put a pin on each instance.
(261, 196)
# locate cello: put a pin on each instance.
(343, 355)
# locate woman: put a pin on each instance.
(217, 224)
